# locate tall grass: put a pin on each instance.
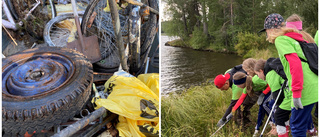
(269, 52)
(196, 112)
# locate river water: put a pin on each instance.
(182, 68)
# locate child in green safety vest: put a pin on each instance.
(283, 105)
(303, 83)
(224, 82)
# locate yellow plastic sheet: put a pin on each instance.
(135, 101)
(152, 81)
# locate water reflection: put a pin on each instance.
(184, 67)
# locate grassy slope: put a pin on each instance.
(197, 111)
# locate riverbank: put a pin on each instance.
(196, 112)
(245, 52)
(184, 44)
(185, 67)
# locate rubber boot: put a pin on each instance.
(284, 135)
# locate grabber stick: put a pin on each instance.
(273, 106)
(221, 126)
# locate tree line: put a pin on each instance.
(216, 24)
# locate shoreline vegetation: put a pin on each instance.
(180, 43)
(256, 47)
(197, 110)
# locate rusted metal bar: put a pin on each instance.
(138, 3)
(76, 19)
(117, 32)
(70, 130)
(101, 77)
(95, 128)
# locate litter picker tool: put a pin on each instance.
(228, 119)
(265, 125)
(89, 46)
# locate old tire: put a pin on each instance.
(43, 87)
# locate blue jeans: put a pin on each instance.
(264, 109)
(300, 120)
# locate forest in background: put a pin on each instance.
(231, 25)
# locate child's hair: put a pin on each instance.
(248, 65)
(284, 30)
(259, 65)
(271, 37)
(240, 75)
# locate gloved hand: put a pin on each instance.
(260, 99)
(221, 122)
(297, 103)
(230, 116)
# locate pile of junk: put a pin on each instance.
(80, 68)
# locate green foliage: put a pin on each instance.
(173, 28)
(198, 40)
(179, 43)
(197, 111)
(248, 43)
(225, 19)
(269, 52)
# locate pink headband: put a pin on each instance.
(295, 25)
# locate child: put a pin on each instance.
(275, 81)
(249, 87)
(259, 85)
(224, 82)
(303, 83)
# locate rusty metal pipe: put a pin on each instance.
(95, 128)
(70, 130)
(84, 113)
